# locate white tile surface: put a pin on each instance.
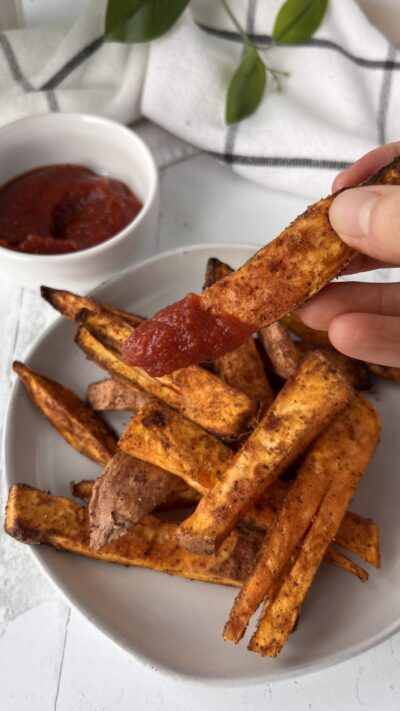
(49, 661)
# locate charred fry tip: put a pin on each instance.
(19, 367)
(46, 292)
(83, 314)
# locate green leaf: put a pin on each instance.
(297, 20)
(141, 20)
(246, 88)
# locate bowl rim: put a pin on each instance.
(221, 682)
(129, 135)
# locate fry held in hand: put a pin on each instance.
(241, 368)
(279, 278)
(292, 268)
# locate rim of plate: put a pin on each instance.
(85, 610)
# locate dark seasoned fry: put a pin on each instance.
(360, 535)
(335, 557)
(279, 617)
(110, 329)
(82, 489)
(280, 349)
(127, 490)
(385, 372)
(180, 496)
(75, 421)
(243, 370)
(196, 393)
(304, 406)
(289, 270)
(111, 395)
(69, 305)
(33, 516)
(215, 270)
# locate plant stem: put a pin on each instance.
(246, 39)
(275, 73)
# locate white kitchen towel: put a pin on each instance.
(340, 100)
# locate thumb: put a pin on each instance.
(368, 219)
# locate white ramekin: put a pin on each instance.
(107, 148)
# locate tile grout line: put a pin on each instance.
(62, 658)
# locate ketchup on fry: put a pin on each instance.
(63, 208)
(181, 334)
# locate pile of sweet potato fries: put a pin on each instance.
(255, 457)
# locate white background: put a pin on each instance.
(50, 658)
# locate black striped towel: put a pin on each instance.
(339, 101)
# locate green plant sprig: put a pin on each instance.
(133, 21)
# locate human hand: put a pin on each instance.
(363, 320)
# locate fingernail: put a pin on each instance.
(350, 213)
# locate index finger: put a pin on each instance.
(362, 168)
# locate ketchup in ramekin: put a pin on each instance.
(57, 209)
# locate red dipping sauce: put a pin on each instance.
(182, 334)
(63, 208)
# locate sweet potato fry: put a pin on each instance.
(195, 385)
(360, 535)
(289, 270)
(33, 516)
(280, 349)
(335, 557)
(277, 621)
(385, 372)
(323, 464)
(180, 496)
(304, 406)
(112, 395)
(355, 371)
(215, 270)
(357, 534)
(163, 437)
(196, 393)
(284, 355)
(320, 338)
(294, 323)
(75, 421)
(110, 329)
(82, 489)
(127, 490)
(242, 368)
(69, 305)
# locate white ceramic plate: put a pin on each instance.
(174, 624)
